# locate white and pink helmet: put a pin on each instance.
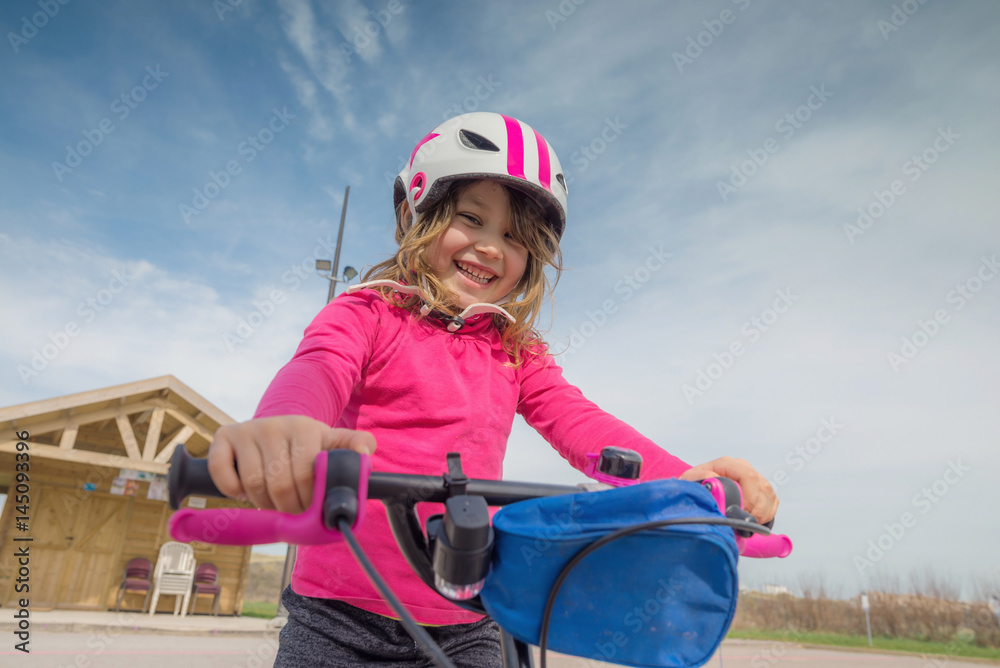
(484, 145)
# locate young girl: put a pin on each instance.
(434, 353)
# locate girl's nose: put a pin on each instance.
(489, 246)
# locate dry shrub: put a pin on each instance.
(929, 610)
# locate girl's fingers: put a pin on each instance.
(303, 451)
(270, 461)
(761, 501)
(251, 466)
(759, 498)
(280, 484)
(347, 439)
(222, 468)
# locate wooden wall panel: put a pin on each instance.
(117, 527)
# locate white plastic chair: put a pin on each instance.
(173, 575)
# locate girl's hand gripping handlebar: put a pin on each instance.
(620, 467)
(729, 496)
(341, 479)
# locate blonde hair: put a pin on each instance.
(528, 227)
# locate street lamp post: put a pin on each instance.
(336, 254)
(325, 265)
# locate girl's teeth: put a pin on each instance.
(473, 274)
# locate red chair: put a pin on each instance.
(206, 581)
(135, 578)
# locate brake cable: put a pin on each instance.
(417, 632)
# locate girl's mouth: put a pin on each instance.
(475, 274)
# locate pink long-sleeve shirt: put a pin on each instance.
(424, 392)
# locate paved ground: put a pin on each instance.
(65, 639)
(127, 650)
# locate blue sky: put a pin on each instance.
(781, 245)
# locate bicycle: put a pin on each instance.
(461, 558)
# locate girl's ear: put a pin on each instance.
(405, 216)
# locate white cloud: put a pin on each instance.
(87, 319)
(324, 58)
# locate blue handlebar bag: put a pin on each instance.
(662, 597)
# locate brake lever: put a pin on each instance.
(340, 488)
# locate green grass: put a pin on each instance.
(894, 644)
(263, 609)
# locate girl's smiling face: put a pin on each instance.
(476, 257)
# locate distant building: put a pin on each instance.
(775, 590)
(96, 493)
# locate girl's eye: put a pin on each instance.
(513, 239)
(472, 219)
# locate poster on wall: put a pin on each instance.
(157, 489)
(132, 474)
(131, 487)
(118, 485)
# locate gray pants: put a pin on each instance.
(321, 632)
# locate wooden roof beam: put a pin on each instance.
(78, 420)
(68, 438)
(197, 427)
(44, 451)
(84, 398)
(153, 435)
(168, 450)
(128, 436)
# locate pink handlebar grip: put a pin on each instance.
(757, 546)
(764, 547)
(250, 526)
(229, 526)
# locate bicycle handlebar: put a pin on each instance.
(342, 477)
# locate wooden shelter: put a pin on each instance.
(97, 493)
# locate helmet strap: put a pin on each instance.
(454, 322)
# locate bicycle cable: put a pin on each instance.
(621, 533)
(417, 632)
